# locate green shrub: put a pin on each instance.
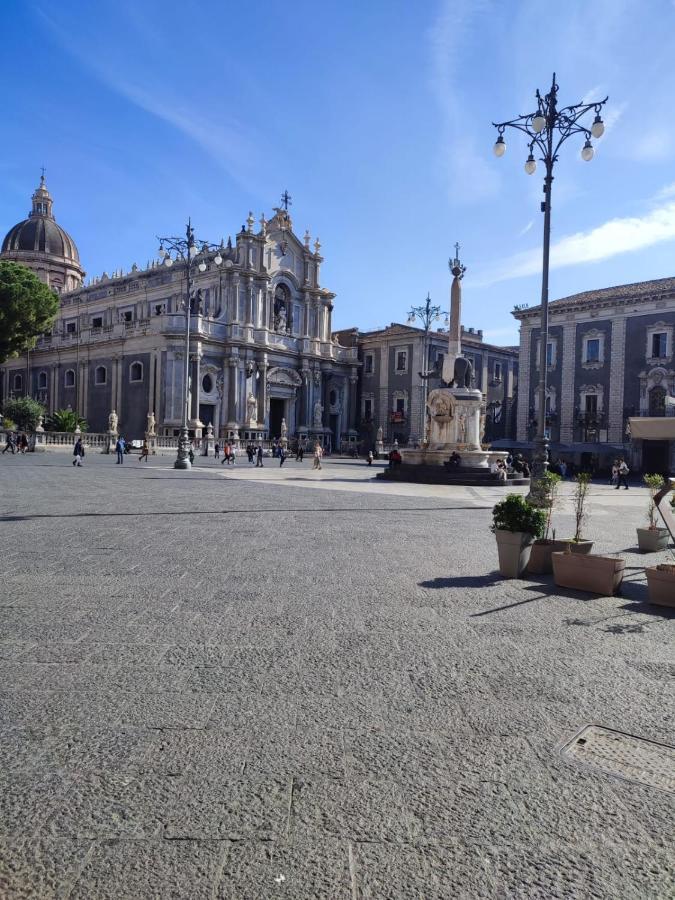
(65, 420)
(514, 513)
(582, 484)
(654, 483)
(25, 412)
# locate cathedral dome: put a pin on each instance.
(39, 233)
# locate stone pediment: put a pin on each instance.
(279, 375)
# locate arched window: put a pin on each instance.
(42, 380)
(69, 378)
(657, 401)
(100, 375)
(207, 384)
(136, 371)
(18, 382)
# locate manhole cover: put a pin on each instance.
(624, 755)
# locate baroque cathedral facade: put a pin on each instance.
(261, 347)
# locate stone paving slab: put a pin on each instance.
(247, 685)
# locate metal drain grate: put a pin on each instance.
(624, 756)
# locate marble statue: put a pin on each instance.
(380, 435)
(151, 423)
(281, 319)
(251, 404)
(318, 414)
(461, 428)
(112, 422)
(439, 404)
(284, 428)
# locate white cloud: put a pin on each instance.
(617, 236)
(653, 146)
(528, 227)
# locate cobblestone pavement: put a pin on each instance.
(218, 685)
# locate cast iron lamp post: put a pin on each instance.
(546, 130)
(427, 314)
(186, 251)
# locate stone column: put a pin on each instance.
(566, 402)
(151, 383)
(615, 405)
(351, 418)
(248, 296)
(83, 383)
(232, 362)
(157, 399)
(524, 382)
(53, 388)
(194, 393)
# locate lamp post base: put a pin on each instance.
(539, 495)
(182, 460)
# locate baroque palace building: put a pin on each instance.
(261, 346)
(610, 359)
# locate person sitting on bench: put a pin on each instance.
(455, 460)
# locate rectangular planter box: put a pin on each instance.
(593, 573)
(661, 587)
(541, 556)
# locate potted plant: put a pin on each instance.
(661, 583)
(576, 567)
(516, 523)
(653, 537)
(542, 548)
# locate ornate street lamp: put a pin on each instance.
(427, 315)
(185, 250)
(546, 130)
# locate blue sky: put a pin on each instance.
(375, 116)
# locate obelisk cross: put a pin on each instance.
(286, 200)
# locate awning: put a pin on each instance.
(652, 428)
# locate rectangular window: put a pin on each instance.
(549, 354)
(368, 364)
(97, 322)
(71, 328)
(400, 404)
(127, 316)
(367, 409)
(498, 371)
(593, 350)
(659, 345)
(591, 404)
(401, 361)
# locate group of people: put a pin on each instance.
(16, 443)
(620, 472)
(229, 453)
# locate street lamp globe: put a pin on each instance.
(168, 261)
(538, 123)
(499, 146)
(202, 266)
(161, 252)
(218, 260)
(530, 165)
(192, 250)
(588, 151)
(598, 127)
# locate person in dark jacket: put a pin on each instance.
(78, 452)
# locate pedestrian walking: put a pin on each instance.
(318, 453)
(614, 478)
(250, 453)
(78, 452)
(23, 443)
(301, 453)
(226, 454)
(259, 457)
(10, 443)
(145, 452)
(233, 455)
(282, 456)
(623, 474)
(120, 447)
(370, 457)
(216, 450)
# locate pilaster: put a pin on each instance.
(567, 372)
(524, 382)
(616, 381)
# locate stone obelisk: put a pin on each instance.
(455, 330)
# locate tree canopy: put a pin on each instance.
(24, 411)
(27, 309)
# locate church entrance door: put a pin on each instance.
(207, 413)
(277, 413)
(655, 457)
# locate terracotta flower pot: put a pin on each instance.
(590, 572)
(514, 552)
(540, 558)
(661, 586)
(652, 539)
